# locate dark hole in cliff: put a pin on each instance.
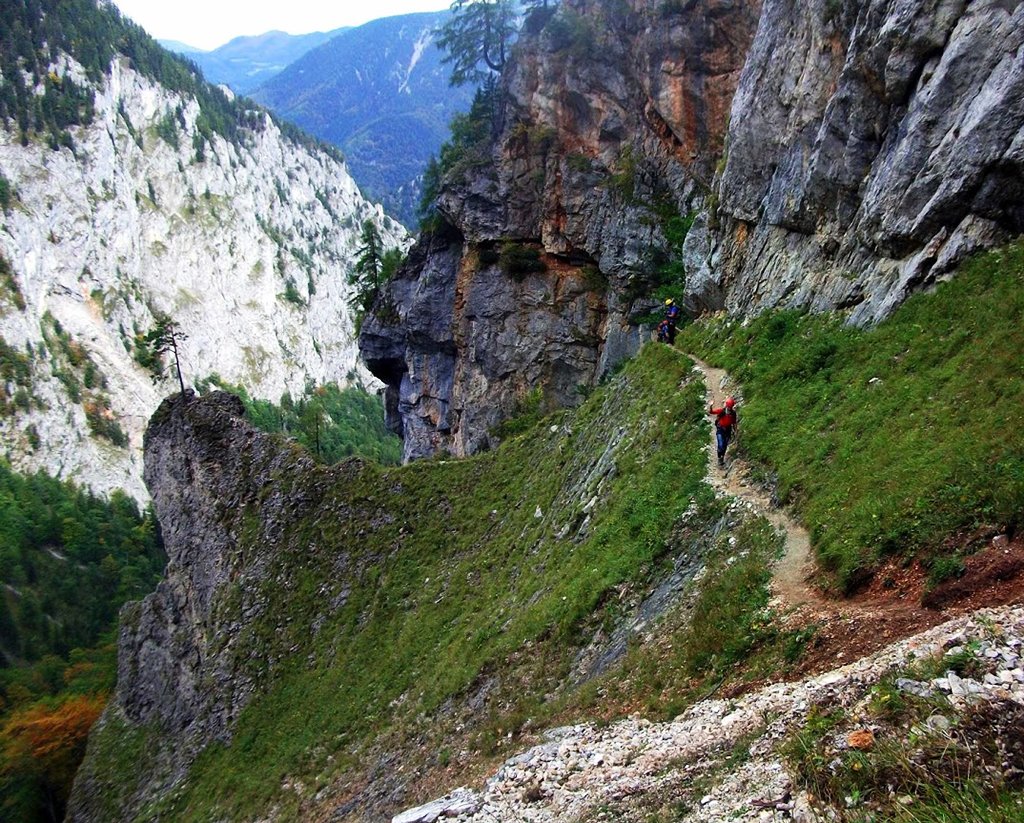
(488, 254)
(576, 257)
(1002, 193)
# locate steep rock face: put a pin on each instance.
(474, 342)
(611, 117)
(246, 245)
(871, 148)
(180, 675)
(867, 150)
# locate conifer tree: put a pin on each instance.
(479, 33)
(166, 337)
(373, 269)
(366, 273)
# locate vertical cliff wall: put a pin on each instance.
(872, 146)
(611, 117)
(828, 154)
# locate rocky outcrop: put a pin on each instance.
(246, 244)
(872, 146)
(282, 589)
(611, 118)
(183, 672)
(469, 343)
(722, 759)
(841, 156)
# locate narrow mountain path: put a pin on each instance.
(791, 573)
(890, 606)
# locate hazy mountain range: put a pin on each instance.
(245, 62)
(378, 91)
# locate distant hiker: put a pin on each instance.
(725, 425)
(664, 331)
(672, 318)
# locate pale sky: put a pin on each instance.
(207, 24)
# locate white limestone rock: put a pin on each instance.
(103, 238)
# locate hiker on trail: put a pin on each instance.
(664, 331)
(672, 318)
(725, 426)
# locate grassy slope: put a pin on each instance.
(456, 588)
(451, 575)
(897, 464)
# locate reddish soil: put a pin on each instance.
(993, 576)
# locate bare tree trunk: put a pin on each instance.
(177, 364)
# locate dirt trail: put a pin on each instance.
(889, 607)
(845, 629)
(789, 580)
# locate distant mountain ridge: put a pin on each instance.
(245, 62)
(380, 92)
(181, 48)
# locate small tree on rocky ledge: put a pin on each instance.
(166, 336)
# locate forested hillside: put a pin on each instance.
(330, 422)
(68, 560)
(381, 94)
(34, 34)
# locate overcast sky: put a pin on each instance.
(207, 24)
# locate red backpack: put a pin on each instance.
(726, 418)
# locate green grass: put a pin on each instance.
(726, 636)
(889, 440)
(118, 752)
(728, 618)
(451, 578)
(951, 803)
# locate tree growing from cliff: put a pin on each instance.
(477, 37)
(370, 259)
(373, 269)
(165, 337)
(467, 147)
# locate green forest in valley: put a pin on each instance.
(332, 423)
(68, 561)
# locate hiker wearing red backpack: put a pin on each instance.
(725, 426)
